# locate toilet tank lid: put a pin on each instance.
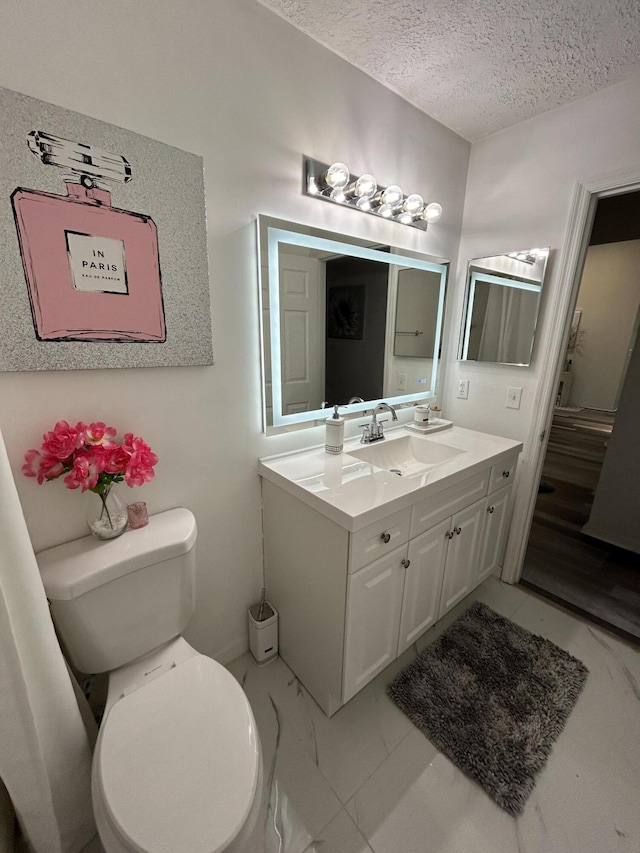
(77, 567)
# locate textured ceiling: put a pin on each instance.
(478, 66)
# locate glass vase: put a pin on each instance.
(106, 514)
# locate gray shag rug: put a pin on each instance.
(493, 698)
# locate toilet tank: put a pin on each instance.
(116, 600)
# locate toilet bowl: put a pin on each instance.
(177, 765)
(177, 762)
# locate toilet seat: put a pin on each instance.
(177, 761)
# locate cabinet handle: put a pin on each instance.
(506, 473)
(458, 530)
(449, 534)
(385, 537)
(404, 562)
(490, 509)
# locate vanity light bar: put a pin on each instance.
(361, 192)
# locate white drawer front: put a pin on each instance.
(504, 474)
(436, 508)
(378, 539)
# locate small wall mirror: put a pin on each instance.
(344, 318)
(502, 304)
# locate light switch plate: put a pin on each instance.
(514, 395)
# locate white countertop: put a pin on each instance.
(354, 493)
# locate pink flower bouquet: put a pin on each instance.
(91, 458)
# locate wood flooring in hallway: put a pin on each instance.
(582, 573)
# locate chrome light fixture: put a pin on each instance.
(334, 183)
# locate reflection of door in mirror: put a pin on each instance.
(416, 313)
(302, 333)
(356, 319)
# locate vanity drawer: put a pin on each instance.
(434, 509)
(504, 474)
(378, 539)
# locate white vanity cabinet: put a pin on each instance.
(351, 601)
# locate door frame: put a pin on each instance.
(562, 304)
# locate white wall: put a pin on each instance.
(236, 84)
(519, 191)
(609, 299)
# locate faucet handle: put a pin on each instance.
(366, 433)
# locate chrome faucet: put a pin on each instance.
(375, 431)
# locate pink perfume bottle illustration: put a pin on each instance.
(92, 270)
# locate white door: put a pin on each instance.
(422, 584)
(301, 333)
(494, 538)
(374, 597)
(462, 553)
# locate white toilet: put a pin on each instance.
(177, 764)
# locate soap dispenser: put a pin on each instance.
(335, 433)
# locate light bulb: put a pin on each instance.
(413, 204)
(392, 196)
(366, 186)
(405, 218)
(363, 203)
(336, 176)
(385, 210)
(432, 212)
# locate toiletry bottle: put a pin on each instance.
(335, 433)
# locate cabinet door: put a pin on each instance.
(462, 553)
(374, 596)
(494, 538)
(424, 569)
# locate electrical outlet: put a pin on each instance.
(463, 389)
(514, 396)
(402, 382)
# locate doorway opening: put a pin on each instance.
(584, 548)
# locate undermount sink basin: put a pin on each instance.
(407, 456)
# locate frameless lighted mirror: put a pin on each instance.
(333, 308)
(502, 303)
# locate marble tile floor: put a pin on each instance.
(367, 781)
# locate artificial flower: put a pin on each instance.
(90, 457)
